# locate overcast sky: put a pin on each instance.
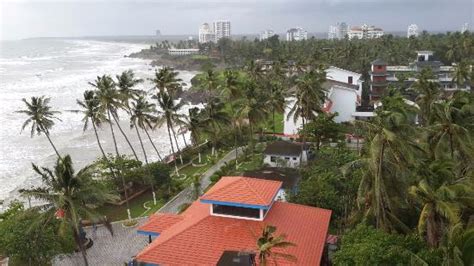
(46, 18)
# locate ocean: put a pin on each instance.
(61, 69)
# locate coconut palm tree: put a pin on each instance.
(41, 118)
(428, 93)
(110, 102)
(276, 101)
(166, 79)
(142, 116)
(168, 114)
(310, 96)
(92, 115)
(458, 245)
(461, 74)
(209, 81)
(441, 196)
(73, 196)
(446, 130)
(267, 243)
(126, 83)
(214, 118)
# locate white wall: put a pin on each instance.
(289, 163)
(344, 102)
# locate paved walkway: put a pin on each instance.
(186, 195)
(118, 249)
(108, 249)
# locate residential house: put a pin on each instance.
(227, 221)
(285, 154)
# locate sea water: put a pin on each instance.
(61, 69)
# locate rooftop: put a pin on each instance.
(243, 191)
(201, 239)
(283, 148)
(288, 176)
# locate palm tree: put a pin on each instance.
(168, 115)
(214, 118)
(142, 116)
(458, 245)
(92, 113)
(266, 244)
(166, 79)
(73, 196)
(388, 153)
(428, 93)
(209, 82)
(310, 96)
(441, 196)
(110, 101)
(461, 74)
(276, 101)
(251, 107)
(41, 117)
(447, 130)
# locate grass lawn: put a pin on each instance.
(253, 163)
(279, 123)
(117, 213)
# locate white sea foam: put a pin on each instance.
(61, 70)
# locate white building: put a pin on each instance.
(344, 92)
(339, 31)
(296, 34)
(365, 32)
(181, 52)
(206, 34)
(285, 154)
(221, 29)
(412, 30)
(266, 34)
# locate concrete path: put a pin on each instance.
(186, 195)
(108, 249)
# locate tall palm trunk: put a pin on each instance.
(380, 221)
(78, 240)
(172, 148)
(152, 144)
(141, 142)
(98, 140)
(184, 138)
(121, 176)
(46, 132)
(125, 136)
(113, 133)
(273, 118)
(176, 141)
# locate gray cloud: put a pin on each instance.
(34, 18)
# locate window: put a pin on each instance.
(273, 159)
(236, 211)
(379, 67)
(294, 158)
(287, 158)
(349, 79)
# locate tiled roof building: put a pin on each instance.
(230, 218)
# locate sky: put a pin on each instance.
(75, 18)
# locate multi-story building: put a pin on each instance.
(221, 29)
(296, 34)
(339, 31)
(382, 75)
(206, 33)
(365, 32)
(266, 34)
(412, 31)
(181, 52)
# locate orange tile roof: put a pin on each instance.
(243, 190)
(200, 239)
(157, 223)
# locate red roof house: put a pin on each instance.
(231, 217)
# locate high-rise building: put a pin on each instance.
(412, 30)
(365, 32)
(157, 33)
(296, 34)
(339, 31)
(221, 29)
(206, 34)
(266, 34)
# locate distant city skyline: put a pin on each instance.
(47, 18)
